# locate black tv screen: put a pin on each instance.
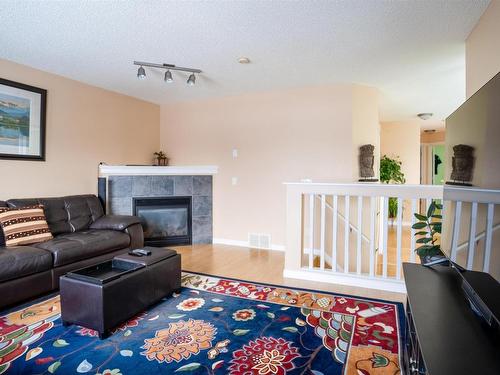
(476, 123)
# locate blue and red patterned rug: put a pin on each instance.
(214, 326)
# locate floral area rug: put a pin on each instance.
(214, 326)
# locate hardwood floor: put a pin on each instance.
(262, 266)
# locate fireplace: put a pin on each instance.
(166, 220)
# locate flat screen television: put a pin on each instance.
(475, 123)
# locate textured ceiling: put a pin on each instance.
(413, 51)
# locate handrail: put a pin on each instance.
(354, 228)
(479, 237)
(406, 191)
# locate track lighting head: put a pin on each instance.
(191, 80)
(168, 77)
(141, 73)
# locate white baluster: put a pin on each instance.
(412, 231)
(372, 235)
(456, 230)
(334, 232)
(385, 224)
(360, 230)
(322, 232)
(398, 235)
(487, 241)
(472, 236)
(346, 234)
(311, 230)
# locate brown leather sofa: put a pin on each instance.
(83, 236)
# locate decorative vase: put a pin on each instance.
(162, 161)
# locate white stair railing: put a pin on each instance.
(468, 205)
(340, 233)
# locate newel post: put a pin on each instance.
(293, 250)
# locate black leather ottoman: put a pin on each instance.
(105, 295)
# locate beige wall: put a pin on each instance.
(403, 139)
(365, 125)
(85, 125)
(280, 136)
(482, 49)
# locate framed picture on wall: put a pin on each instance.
(22, 121)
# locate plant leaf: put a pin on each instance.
(419, 225)
(290, 329)
(420, 217)
(432, 208)
(240, 332)
(189, 367)
(424, 240)
(437, 216)
(53, 367)
(421, 233)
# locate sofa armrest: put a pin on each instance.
(136, 236)
(115, 222)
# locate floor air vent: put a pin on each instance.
(259, 240)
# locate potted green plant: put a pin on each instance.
(429, 226)
(390, 173)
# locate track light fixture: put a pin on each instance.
(168, 76)
(141, 72)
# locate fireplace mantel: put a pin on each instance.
(151, 170)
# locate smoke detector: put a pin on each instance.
(425, 116)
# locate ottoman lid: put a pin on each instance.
(157, 255)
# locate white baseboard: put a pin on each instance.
(226, 241)
(349, 280)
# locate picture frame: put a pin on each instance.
(22, 121)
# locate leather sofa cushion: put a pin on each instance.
(66, 214)
(115, 222)
(72, 247)
(19, 261)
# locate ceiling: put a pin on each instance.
(413, 51)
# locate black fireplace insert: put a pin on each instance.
(166, 220)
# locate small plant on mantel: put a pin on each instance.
(161, 158)
(429, 226)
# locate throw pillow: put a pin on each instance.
(24, 225)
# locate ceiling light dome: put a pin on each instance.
(425, 116)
